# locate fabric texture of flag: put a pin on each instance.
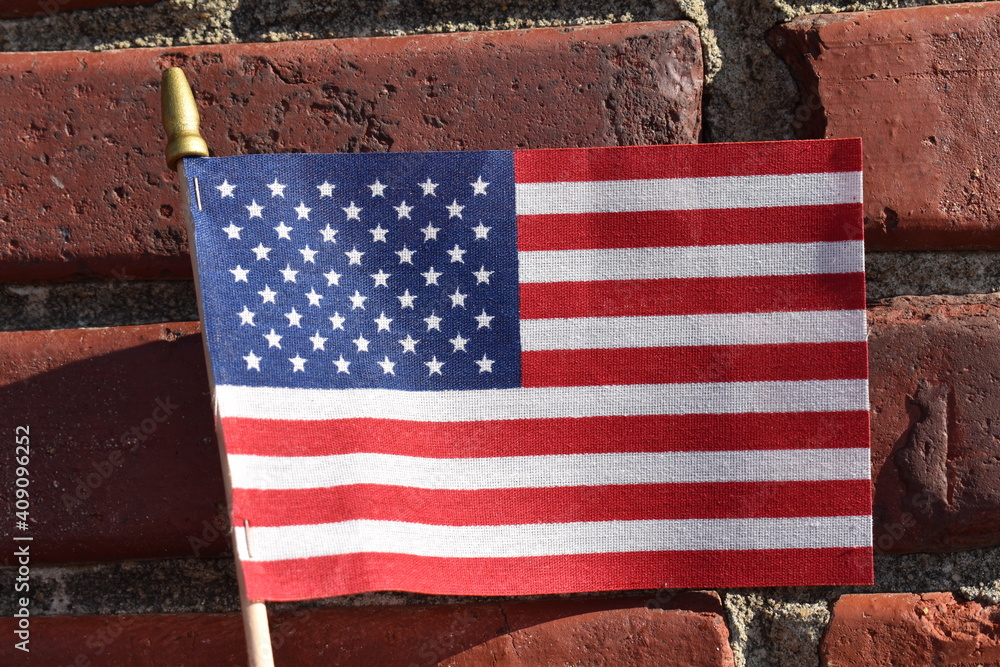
(539, 371)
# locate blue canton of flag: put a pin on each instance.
(378, 270)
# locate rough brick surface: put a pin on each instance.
(19, 8)
(935, 401)
(86, 191)
(391, 636)
(124, 461)
(637, 637)
(908, 629)
(921, 87)
(935, 395)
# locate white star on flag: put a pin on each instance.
(283, 230)
(233, 231)
(357, 301)
(254, 209)
(253, 361)
(457, 299)
(277, 189)
(303, 211)
(294, 318)
(380, 278)
(329, 234)
(273, 339)
(482, 275)
(383, 322)
(485, 365)
(378, 189)
(240, 274)
(458, 342)
(313, 297)
(262, 252)
(298, 364)
(226, 189)
(431, 276)
(308, 255)
(433, 321)
(403, 211)
(289, 273)
(246, 317)
(479, 187)
(428, 187)
(387, 366)
(409, 344)
(353, 212)
(434, 365)
(430, 232)
(337, 321)
(455, 209)
(354, 256)
(332, 278)
(406, 299)
(481, 230)
(406, 255)
(342, 365)
(325, 190)
(267, 294)
(318, 342)
(456, 254)
(484, 320)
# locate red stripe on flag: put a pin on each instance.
(530, 437)
(329, 576)
(649, 229)
(490, 507)
(689, 161)
(710, 363)
(689, 296)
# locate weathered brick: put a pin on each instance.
(423, 635)
(935, 402)
(19, 8)
(910, 629)
(935, 398)
(637, 637)
(124, 461)
(86, 192)
(919, 85)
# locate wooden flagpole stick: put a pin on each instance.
(181, 122)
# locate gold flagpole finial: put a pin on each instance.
(180, 118)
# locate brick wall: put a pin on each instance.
(100, 353)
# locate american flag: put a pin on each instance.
(539, 371)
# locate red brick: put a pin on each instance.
(388, 635)
(918, 85)
(641, 636)
(99, 490)
(909, 629)
(935, 401)
(86, 192)
(19, 8)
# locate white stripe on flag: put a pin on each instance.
(524, 472)
(552, 539)
(720, 261)
(591, 333)
(685, 194)
(542, 402)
